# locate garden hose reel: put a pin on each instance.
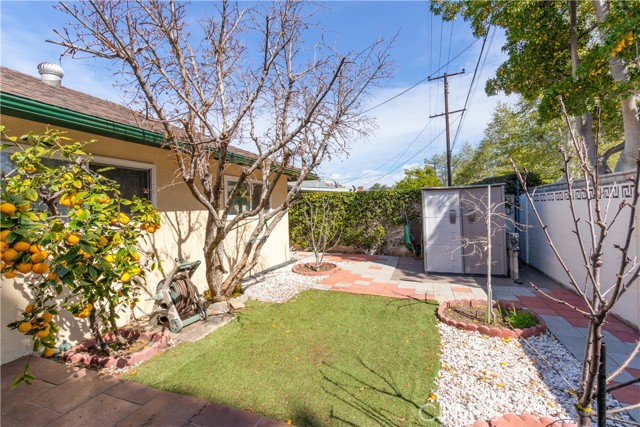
(176, 300)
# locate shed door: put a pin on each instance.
(474, 228)
(442, 231)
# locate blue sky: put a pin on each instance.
(405, 134)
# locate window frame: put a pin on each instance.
(251, 182)
(112, 161)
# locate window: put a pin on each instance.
(134, 178)
(247, 198)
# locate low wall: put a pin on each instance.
(552, 202)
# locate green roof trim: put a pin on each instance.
(29, 109)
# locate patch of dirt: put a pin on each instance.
(476, 315)
(133, 344)
(310, 267)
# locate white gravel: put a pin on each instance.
(481, 377)
(281, 284)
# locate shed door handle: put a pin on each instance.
(452, 216)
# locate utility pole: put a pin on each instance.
(446, 113)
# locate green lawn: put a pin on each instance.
(324, 358)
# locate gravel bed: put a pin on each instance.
(481, 377)
(281, 284)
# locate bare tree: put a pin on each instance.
(323, 223)
(239, 76)
(598, 294)
(496, 222)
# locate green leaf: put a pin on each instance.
(77, 184)
(31, 195)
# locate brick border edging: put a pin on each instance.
(528, 420)
(158, 340)
(531, 331)
(296, 269)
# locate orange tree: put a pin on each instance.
(65, 235)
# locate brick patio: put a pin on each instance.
(68, 397)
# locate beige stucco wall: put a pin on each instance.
(181, 234)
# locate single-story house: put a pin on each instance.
(132, 145)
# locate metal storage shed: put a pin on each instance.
(455, 229)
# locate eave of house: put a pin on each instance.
(29, 109)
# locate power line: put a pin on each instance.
(410, 158)
(404, 150)
(471, 86)
(423, 80)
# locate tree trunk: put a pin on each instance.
(629, 107)
(584, 123)
(586, 394)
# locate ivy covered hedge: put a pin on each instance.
(365, 217)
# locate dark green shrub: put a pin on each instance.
(365, 217)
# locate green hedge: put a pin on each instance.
(365, 217)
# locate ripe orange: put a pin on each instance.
(43, 333)
(66, 200)
(151, 229)
(4, 246)
(47, 317)
(21, 246)
(29, 308)
(143, 226)
(49, 352)
(25, 206)
(73, 239)
(39, 257)
(124, 220)
(40, 268)
(102, 241)
(113, 221)
(35, 249)
(10, 274)
(24, 267)
(135, 256)
(24, 327)
(53, 276)
(10, 255)
(8, 208)
(4, 234)
(125, 277)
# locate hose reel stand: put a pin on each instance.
(176, 300)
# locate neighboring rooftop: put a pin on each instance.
(317, 185)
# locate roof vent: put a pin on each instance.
(51, 73)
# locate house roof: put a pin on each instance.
(27, 97)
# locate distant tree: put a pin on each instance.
(377, 187)
(462, 162)
(515, 132)
(583, 51)
(417, 178)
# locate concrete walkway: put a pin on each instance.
(405, 278)
(74, 397)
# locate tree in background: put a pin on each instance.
(583, 51)
(241, 75)
(464, 165)
(417, 178)
(379, 187)
(514, 133)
